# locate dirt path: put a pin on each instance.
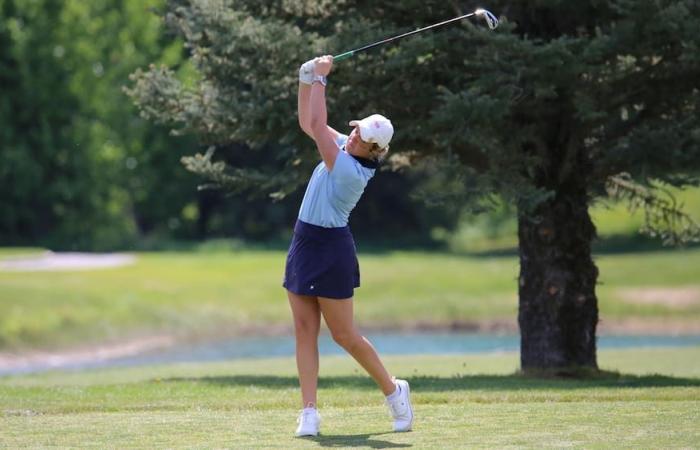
(51, 261)
(13, 362)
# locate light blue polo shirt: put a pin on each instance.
(330, 196)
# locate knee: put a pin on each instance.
(307, 327)
(346, 338)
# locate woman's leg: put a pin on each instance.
(338, 315)
(307, 323)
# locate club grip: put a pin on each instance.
(343, 56)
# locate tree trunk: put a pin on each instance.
(558, 310)
(207, 201)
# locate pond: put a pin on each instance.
(396, 343)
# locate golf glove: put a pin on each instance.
(306, 72)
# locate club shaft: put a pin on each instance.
(385, 41)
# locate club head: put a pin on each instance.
(491, 20)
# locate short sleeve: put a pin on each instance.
(341, 140)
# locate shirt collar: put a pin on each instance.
(365, 162)
(368, 163)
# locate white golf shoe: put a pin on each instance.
(309, 422)
(399, 404)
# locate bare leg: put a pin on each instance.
(338, 316)
(307, 323)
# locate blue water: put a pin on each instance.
(385, 343)
(393, 344)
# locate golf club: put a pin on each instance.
(491, 21)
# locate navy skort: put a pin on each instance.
(322, 262)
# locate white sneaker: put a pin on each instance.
(400, 407)
(309, 422)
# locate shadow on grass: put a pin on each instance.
(354, 440)
(458, 382)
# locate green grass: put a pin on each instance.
(615, 218)
(14, 252)
(616, 225)
(203, 293)
(461, 401)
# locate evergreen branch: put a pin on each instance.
(221, 176)
(663, 215)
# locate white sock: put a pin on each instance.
(395, 394)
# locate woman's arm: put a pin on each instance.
(324, 136)
(304, 111)
(306, 74)
(303, 108)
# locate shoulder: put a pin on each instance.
(341, 139)
(349, 170)
(346, 159)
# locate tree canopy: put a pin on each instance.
(559, 91)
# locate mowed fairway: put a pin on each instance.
(204, 293)
(461, 401)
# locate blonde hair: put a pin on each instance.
(378, 152)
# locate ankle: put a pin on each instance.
(395, 393)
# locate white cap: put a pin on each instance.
(376, 129)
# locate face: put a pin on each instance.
(356, 145)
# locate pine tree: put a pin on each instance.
(565, 103)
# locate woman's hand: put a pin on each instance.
(306, 72)
(323, 65)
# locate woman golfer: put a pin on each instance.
(322, 269)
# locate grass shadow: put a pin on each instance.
(354, 440)
(459, 382)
